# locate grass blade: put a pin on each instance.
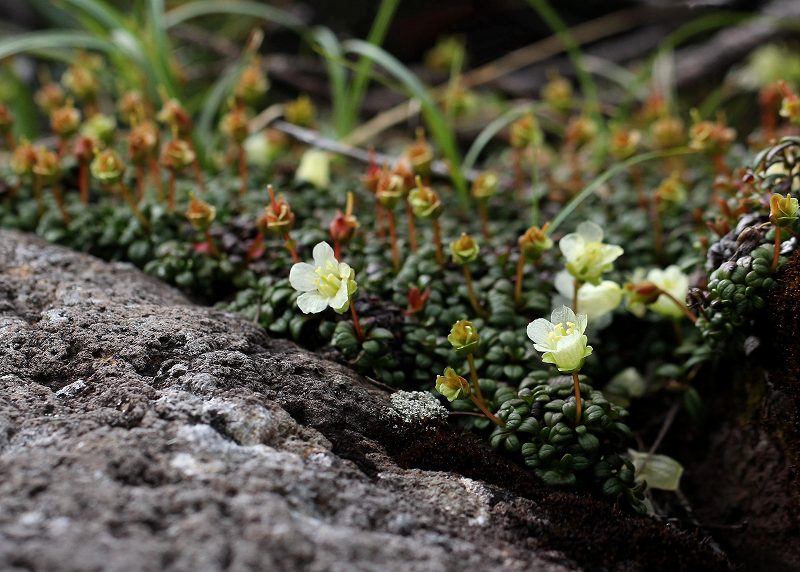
(199, 8)
(437, 124)
(53, 40)
(331, 49)
(493, 128)
(601, 179)
(376, 36)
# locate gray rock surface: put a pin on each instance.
(141, 432)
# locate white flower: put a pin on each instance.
(671, 280)
(596, 301)
(314, 168)
(561, 340)
(587, 257)
(327, 282)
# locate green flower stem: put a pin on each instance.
(473, 300)
(686, 311)
(576, 384)
(519, 278)
(437, 242)
(356, 322)
(412, 229)
(776, 253)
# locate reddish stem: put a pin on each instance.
(576, 384)
(171, 191)
(356, 322)
(776, 253)
(83, 181)
(62, 208)
(290, 247)
(519, 278)
(437, 242)
(412, 229)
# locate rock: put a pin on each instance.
(141, 432)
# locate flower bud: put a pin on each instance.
(485, 186)
(47, 165)
(81, 82)
(624, 143)
(524, 131)
(101, 128)
(300, 112)
(535, 242)
(132, 107)
(177, 155)
(464, 337)
(452, 385)
(23, 158)
(83, 149)
(465, 249)
(671, 190)
(199, 213)
(424, 201)
(403, 170)
(445, 53)
(373, 175)
(420, 154)
(278, 217)
(175, 116)
(142, 142)
(790, 106)
(252, 85)
(391, 189)
(344, 225)
(51, 96)
(557, 93)
(234, 125)
(108, 167)
(580, 130)
(783, 211)
(65, 120)
(712, 137)
(668, 132)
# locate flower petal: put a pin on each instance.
(539, 332)
(311, 303)
(565, 284)
(563, 315)
(341, 302)
(590, 231)
(323, 255)
(571, 246)
(302, 277)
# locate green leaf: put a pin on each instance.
(659, 471)
(191, 10)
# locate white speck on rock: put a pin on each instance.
(418, 407)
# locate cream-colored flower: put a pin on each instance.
(314, 168)
(673, 281)
(595, 301)
(327, 282)
(561, 339)
(587, 257)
